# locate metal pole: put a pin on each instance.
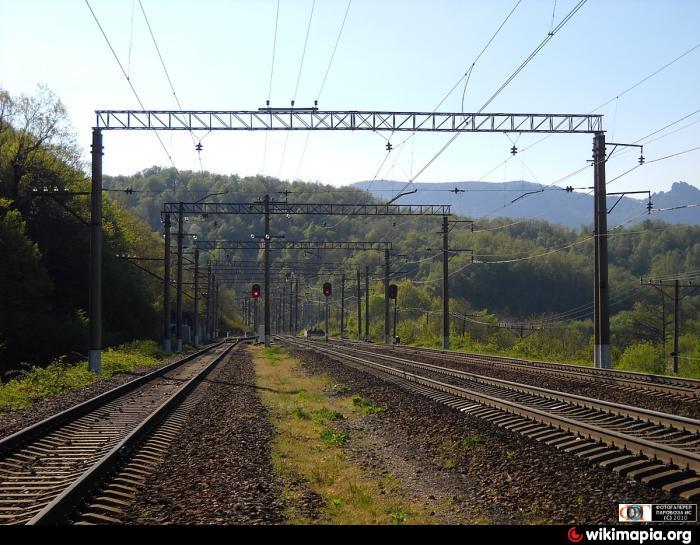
(296, 306)
(166, 286)
(180, 260)
(445, 286)
(663, 320)
(342, 305)
(326, 319)
(291, 308)
(387, 272)
(601, 354)
(214, 302)
(207, 327)
(367, 336)
(283, 310)
(267, 271)
(216, 310)
(95, 303)
(196, 298)
(255, 317)
(359, 308)
(676, 300)
(395, 307)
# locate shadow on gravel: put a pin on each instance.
(252, 387)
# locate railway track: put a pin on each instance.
(656, 448)
(48, 469)
(662, 386)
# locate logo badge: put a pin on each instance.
(574, 536)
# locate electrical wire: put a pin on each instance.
(532, 55)
(131, 85)
(617, 96)
(323, 83)
(296, 88)
(272, 71)
(170, 82)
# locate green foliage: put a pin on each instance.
(644, 357)
(300, 413)
(44, 274)
(324, 414)
(397, 515)
(471, 441)
(334, 437)
(366, 406)
(44, 277)
(29, 384)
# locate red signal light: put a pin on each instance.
(327, 289)
(256, 291)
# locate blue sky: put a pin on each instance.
(392, 55)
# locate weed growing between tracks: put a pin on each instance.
(31, 384)
(320, 483)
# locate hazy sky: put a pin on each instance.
(401, 55)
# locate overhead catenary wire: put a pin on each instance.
(128, 79)
(170, 82)
(323, 83)
(532, 55)
(296, 88)
(272, 72)
(466, 75)
(614, 98)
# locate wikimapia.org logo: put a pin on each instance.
(637, 536)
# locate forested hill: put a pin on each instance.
(522, 268)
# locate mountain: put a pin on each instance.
(575, 209)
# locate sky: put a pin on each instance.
(397, 55)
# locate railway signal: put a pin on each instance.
(327, 289)
(256, 291)
(393, 291)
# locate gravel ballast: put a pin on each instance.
(595, 389)
(487, 473)
(220, 470)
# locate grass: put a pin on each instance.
(471, 441)
(334, 437)
(367, 407)
(310, 454)
(30, 384)
(273, 354)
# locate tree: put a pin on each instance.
(37, 145)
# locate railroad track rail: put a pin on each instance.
(48, 469)
(656, 448)
(684, 389)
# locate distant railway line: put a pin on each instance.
(660, 385)
(49, 469)
(656, 448)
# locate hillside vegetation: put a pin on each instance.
(528, 272)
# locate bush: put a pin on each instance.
(33, 383)
(643, 357)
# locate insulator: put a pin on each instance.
(389, 147)
(199, 146)
(513, 150)
(641, 159)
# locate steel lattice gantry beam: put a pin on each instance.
(277, 244)
(290, 264)
(327, 209)
(306, 119)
